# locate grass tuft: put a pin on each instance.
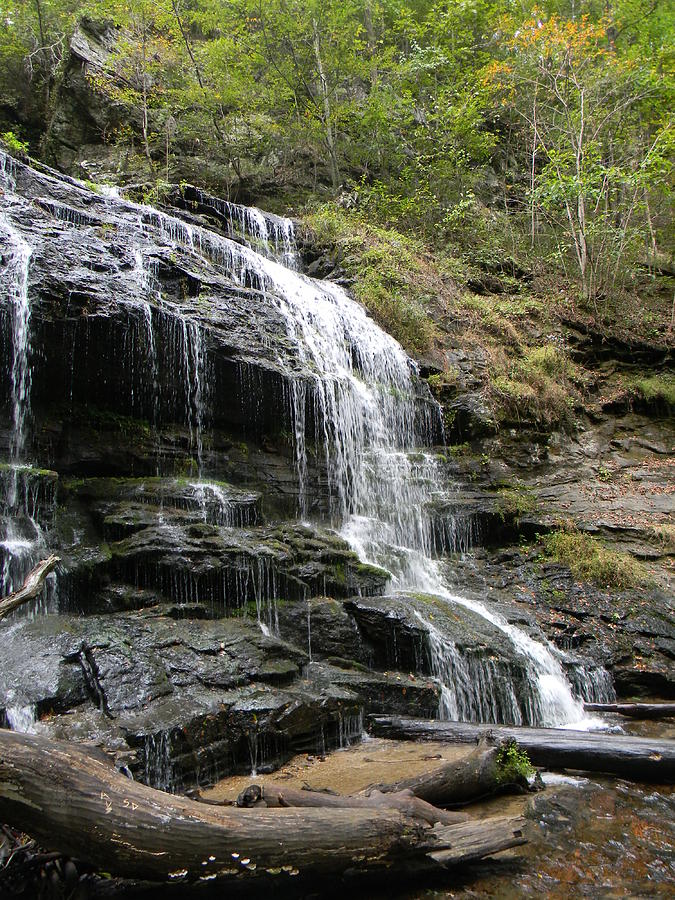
(589, 559)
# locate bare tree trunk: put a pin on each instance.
(31, 587)
(372, 42)
(327, 112)
(635, 758)
(474, 776)
(45, 56)
(635, 710)
(535, 140)
(144, 82)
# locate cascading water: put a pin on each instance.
(371, 415)
(271, 236)
(365, 392)
(21, 537)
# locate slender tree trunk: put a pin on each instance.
(327, 112)
(535, 140)
(581, 208)
(144, 82)
(372, 42)
(43, 42)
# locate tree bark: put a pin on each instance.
(635, 710)
(31, 587)
(634, 758)
(73, 802)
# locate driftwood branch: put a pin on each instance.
(31, 587)
(77, 804)
(279, 796)
(635, 758)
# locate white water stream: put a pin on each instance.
(21, 537)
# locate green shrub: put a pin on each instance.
(514, 502)
(13, 143)
(513, 764)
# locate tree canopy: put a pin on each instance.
(556, 115)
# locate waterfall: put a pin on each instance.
(367, 400)
(17, 273)
(374, 420)
(21, 537)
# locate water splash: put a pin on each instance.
(22, 718)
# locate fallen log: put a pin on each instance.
(474, 776)
(635, 710)
(31, 587)
(631, 757)
(486, 834)
(634, 758)
(279, 796)
(75, 803)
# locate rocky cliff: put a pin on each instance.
(243, 478)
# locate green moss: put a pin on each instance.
(514, 502)
(349, 664)
(513, 764)
(655, 388)
(444, 382)
(589, 559)
(106, 420)
(460, 450)
(425, 598)
(365, 570)
(339, 574)
(29, 471)
(537, 385)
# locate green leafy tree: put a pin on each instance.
(591, 164)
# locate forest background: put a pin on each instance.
(441, 152)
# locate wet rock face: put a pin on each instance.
(154, 357)
(157, 651)
(193, 699)
(184, 340)
(197, 627)
(485, 677)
